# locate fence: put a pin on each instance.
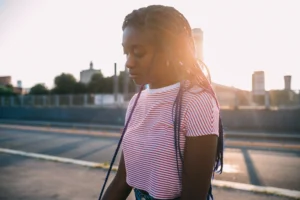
(237, 99)
(274, 99)
(63, 100)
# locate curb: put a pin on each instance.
(62, 130)
(217, 183)
(258, 189)
(58, 159)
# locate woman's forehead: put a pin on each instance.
(136, 37)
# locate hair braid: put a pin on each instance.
(173, 35)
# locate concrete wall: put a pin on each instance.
(65, 114)
(280, 120)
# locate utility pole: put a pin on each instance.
(116, 85)
(126, 85)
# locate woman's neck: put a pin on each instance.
(164, 83)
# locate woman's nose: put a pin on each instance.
(129, 61)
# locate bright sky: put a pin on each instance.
(40, 39)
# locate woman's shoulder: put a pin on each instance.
(194, 91)
(196, 95)
(131, 101)
(134, 97)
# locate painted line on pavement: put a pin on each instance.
(58, 159)
(218, 183)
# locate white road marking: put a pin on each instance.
(227, 168)
(218, 183)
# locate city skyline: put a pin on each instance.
(40, 40)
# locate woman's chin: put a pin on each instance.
(138, 81)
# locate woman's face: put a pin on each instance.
(146, 63)
(139, 51)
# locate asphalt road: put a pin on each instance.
(257, 166)
(32, 179)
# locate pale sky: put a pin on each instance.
(40, 39)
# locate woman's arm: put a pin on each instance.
(118, 189)
(199, 159)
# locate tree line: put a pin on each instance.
(6, 90)
(67, 84)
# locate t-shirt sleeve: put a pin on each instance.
(202, 116)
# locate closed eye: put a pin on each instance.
(136, 50)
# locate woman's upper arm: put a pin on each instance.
(118, 189)
(199, 159)
(121, 173)
(202, 128)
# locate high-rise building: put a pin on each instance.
(86, 75)
(287, 82)
(19, 84)
(258, 83)
(198, 40)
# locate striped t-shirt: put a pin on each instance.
(148, 144)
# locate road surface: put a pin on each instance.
(257, 166)
(31, 179)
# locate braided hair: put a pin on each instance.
(173, 36)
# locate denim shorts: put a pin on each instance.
(143, 195)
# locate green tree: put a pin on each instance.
(131, 84)
(97, 83)
(4, 90)
(39, 89)
(64, 84)
(80, 88)
(10, 87)
(108, 85)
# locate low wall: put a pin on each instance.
(268, 120)
(262, 120)
(65, 114)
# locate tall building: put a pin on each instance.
(198, 40)
(258, 83)
(86, 75)
(258, 88)
(287, 82)
(19, 84)
(226, 95)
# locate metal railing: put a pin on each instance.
(270, 100)
(227, 100)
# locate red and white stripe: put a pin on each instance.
(148, 144)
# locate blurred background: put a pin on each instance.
(64, 91)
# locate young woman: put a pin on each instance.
(173, 141)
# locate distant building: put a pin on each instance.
(258, 88)
(287, 82)
(86, 75)
(258, 83)
(227, 96)
(5, 80)
(198, 40)
(19, 84)
(18, 90)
